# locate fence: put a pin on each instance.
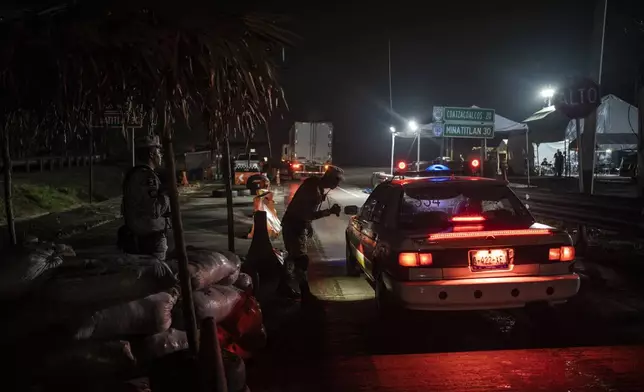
(40, 164)
(620, 214)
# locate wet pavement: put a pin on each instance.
(595, 342)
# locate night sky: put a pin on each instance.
(495, 54)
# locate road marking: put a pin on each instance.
(348, 192)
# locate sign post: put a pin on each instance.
(118, 120)
(577, 100)
(469, 123)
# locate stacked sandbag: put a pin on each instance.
(102, 282)
(122, 312)
(141, 317)
(24, 269)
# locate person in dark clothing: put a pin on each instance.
(296, 224)
(145, 204)
(559, 163)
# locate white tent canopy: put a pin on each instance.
(502, 124)
(616, 124)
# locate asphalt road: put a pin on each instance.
(593, 343)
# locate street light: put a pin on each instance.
(413, 125)
(547, 94)
(392, 129)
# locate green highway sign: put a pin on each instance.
(469, 131)
(466, 115)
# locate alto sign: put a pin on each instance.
(578, 99)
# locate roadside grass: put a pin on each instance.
(59, 190)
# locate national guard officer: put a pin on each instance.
(146, 205)
(296, 224)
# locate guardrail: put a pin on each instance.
(50, 163)
(619, 214)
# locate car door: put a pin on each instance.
(373, 224)
(355, 235)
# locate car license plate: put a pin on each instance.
(490, 259)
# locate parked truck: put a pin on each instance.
(309, 150)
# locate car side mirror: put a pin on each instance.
(351, 210)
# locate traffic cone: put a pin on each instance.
(184, 179)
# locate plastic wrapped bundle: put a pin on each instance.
(146, 316)
(244, 283)
(208, 267)
(25, 269)
(215, 301)
(113, 283)
(165, 343)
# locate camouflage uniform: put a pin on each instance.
(145, 208)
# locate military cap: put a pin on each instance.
(147, 141)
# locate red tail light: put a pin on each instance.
(415, 259)
(402, 165)
(564, 253)
(475, 163)
(490, 233)
(473, 218)
(296, 165)
(467, 228)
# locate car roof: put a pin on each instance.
(413, 182)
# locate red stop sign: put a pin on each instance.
(578, 99)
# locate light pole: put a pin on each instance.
(393, 144)
(413, 126)
(547, 94)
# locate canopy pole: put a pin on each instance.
(393, 144)
(418, 153)
(527, 152)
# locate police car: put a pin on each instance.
(436, 241)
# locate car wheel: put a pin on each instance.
(351, 263)
(385, 304)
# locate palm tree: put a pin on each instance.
(164, 59)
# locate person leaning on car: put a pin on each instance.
(296, 223)
(146, 205)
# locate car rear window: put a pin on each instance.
(433, 207)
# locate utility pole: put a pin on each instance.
(640, 139)
(586, 153)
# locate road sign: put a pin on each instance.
(438, 129)
(438, 113)
(472, 131)
(115, 119)
(455, 115)
(578, 99)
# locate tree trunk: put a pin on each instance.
(268, 140)
(179, 241)
(640, 145)
(91, 163)
(8, 186)
(229, 195)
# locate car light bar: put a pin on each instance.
(467, 228)
(464, 218)
(490, 233)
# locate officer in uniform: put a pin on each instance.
(146, 205)
(296, 223)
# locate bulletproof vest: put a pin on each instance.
(126, 180)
